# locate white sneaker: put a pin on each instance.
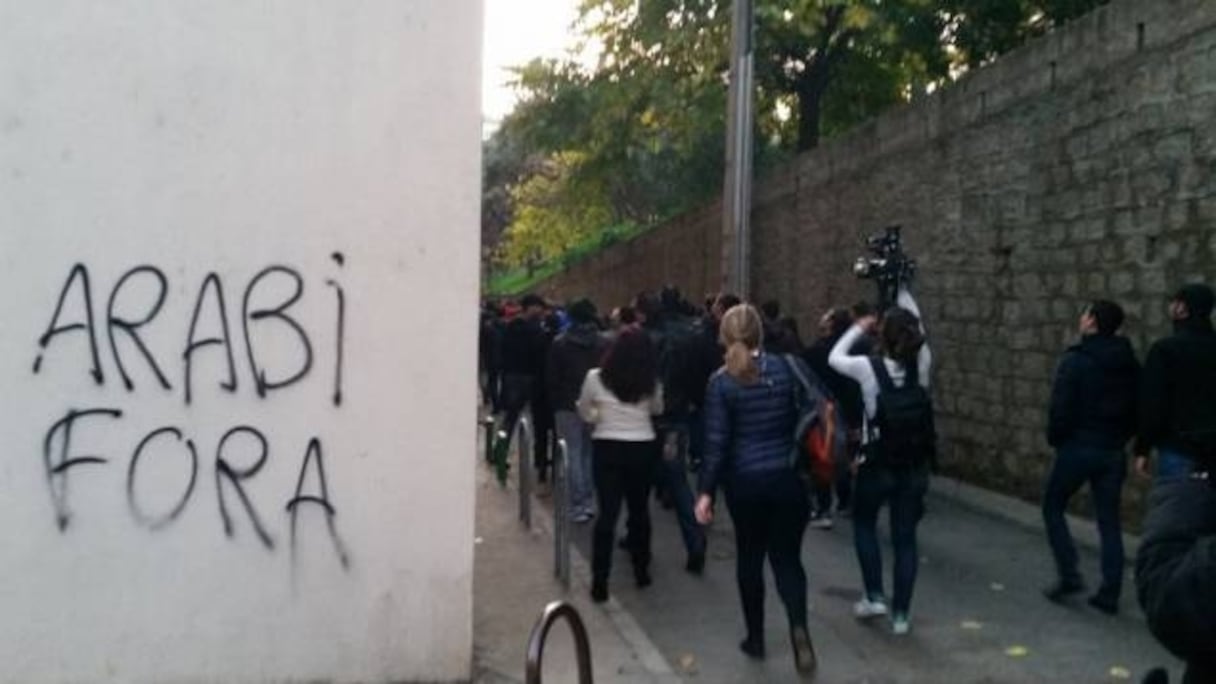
(865, 609)
(900, 625)
(823, 522)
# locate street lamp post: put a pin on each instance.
(737, 192)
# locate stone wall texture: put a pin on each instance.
(1082, 165)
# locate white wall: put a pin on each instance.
(227, 137)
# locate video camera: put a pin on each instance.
(887, 266)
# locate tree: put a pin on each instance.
(889, 48)
(982, 30)
(641, 136)
(554, 213)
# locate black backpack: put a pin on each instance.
(902, 432)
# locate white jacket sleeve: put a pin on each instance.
(656, 400)
(588, 410)
(856, 367)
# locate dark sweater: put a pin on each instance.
(1093, 400)
(524, 345)
(844, 389)
(572, 354)
(749, 429)
(1178, 397)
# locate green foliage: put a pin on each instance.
(554, 212)
(641, 136)
(513, 281)
(981, 30)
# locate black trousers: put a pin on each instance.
(770, 517)
(623, 471)
(519, 392)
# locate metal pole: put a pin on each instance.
(488, 426)
(737, 190)
(523, 444)
(561, 515)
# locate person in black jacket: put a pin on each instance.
(1090, 420)
(1178, 403)
(524, 348)
(832, 326)
(1176, 571)
(572, 355)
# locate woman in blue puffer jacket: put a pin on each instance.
(750, 414)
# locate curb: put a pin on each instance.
(1022, 513)
(649, 656)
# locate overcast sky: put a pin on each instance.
(515, 32)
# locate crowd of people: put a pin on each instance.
(660, 389)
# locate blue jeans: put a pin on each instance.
(1173, 464)
(674, 471)
(904, 489)
(577, 434)
(1104, 470)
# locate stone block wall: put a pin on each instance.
(1082, 165)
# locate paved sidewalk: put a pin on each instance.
(513, 581)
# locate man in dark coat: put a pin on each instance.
(1178, 404)
(847, 393)
(1090, 420)
(524, 347)
(675, 338)
(573, 353)
(1176, 570)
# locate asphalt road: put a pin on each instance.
(977, 616)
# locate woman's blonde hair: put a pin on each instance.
(742, 333)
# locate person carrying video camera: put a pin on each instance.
(898, 447)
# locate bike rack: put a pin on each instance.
(523, 446)
(561, 514)
(487, 425)
(540, 633)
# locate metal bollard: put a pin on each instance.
(540, 632)
(487, 426)
(561, 514)
(523, 444)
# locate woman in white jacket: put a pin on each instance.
(619, 400)
(893, 468)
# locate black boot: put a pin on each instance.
(641, 574)
(753, 646)
(1061, 590)
(804, 653)
(599, 590)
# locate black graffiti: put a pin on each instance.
(212, 281)
(55, 328)
(223, 469)
(57, 469)
(156, 523)
(278, 313)
(130, 327)
(340, 335)
(233, 471)
(293, 506)
(209, 326)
